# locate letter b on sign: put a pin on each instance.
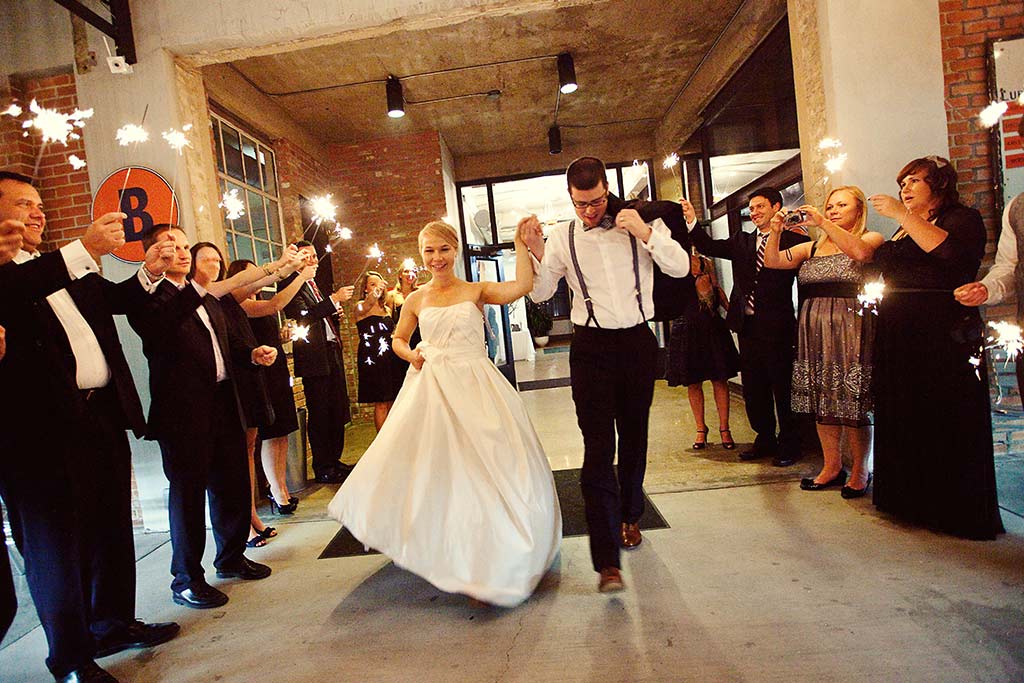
(145, 198)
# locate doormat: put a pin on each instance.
(570, 499)
(534, 384)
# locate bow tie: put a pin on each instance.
(607, 223)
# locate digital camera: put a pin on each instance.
(796, 218)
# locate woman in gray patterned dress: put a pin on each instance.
(832, 372)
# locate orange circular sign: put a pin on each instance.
(145, 197)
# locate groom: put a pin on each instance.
(610, 270)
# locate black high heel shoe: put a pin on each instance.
(727, 445)
(850, 492)
(286, 509)
(808, 484)
(701, 445)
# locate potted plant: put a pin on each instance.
(539, 321)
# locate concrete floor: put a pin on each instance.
(754, 581)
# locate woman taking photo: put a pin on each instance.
(832, 371)
(933, 433)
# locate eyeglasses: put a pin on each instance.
(593, 204)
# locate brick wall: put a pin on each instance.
(65, 192)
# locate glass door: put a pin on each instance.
(487, 265)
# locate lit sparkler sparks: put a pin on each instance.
(176, 138)
(328, 249)
(343, 233)
(830, 143)
(1007, 337)
(233, 204)
(300, 333)
(990, 115)
(835, 163)
(76, 163)
(323, 209)
(671, 161)
(56, 126)
(131, 133)
(375, 252)
(409, 264)
(13, 110)
(870, 296)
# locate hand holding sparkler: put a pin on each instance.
(971, 294)
(533, 235)
(689, 213)
(160, 257)
(343, 294)
(105, 234)
(264, 355)
(11, 232)
(889, 206)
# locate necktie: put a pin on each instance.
(316, 291)
(762, 240)
(329, 319)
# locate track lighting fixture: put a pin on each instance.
(566, 74)
(554, 140)
(396, 100)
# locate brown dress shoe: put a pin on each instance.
(631, 537)
(611, 581)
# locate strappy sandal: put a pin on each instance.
(267, 533)
(730, 444)
(701, 445)
(256, 541)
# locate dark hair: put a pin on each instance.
(154, 235)
(770, 193)
(16, 177)
(586, 173)
(195, 251)
(301, 244)
(365, 285)
(941, 178)
(238, 265)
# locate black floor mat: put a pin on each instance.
(570, 499)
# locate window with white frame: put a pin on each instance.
(247, 166)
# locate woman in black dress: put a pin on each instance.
(273, 434)
(376, 359)
(933, 426)
(701, 348)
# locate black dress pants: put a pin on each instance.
(69, 501)
(214, 464)
(8, 598)
(327, 410)
(766, 361)
(612, 374)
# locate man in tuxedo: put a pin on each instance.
(69, 398)
(319, 362)
(609, 263)
(761, 313)
(196, 417)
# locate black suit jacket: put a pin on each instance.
(38, 375)
(34, 279)
(773, 289)
(182, 368)
(310, 356)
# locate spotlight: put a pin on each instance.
(554, 140)
(566, 74)
(396, 101)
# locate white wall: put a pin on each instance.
(884, 91)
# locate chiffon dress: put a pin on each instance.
(456, 487)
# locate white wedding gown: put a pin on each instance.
(456, 487)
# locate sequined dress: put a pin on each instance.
(833, 368)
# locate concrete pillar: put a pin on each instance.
(857, 65)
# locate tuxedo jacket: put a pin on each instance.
(182, 367)
(310, 356)
(773, 289)
(38, 374)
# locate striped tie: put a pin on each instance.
(762, 240)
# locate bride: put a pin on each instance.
(456, 487)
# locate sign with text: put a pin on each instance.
(145, 197)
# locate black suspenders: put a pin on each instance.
(583, 283)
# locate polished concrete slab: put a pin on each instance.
(754, 580)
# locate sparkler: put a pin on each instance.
(671, 161)
(300, 333)
(177, 141)
(409, 264)
(835, 163)
(131, 134)
(1007, 337)
(343, 233)
(76, 163)
(231, 203)
(324, 209)
(829, 143)
(54, 126)
(990, 115)
(870, 296)
(13, 110)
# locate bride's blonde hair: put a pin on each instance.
(439, 229)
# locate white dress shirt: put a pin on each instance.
(218, 358)
(606, 261)
(999, 280)
(91, 368)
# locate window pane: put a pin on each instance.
(273, 222)
(263, 252)
(217, 151)
(243, 247)
(636, 180)
(252, 165)
(267, 161)
(275, 251)
(543, 196)
(476, 215)
(257, 216)
(240, 225)
(229, 241)
(232, 152)
(613, 182)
